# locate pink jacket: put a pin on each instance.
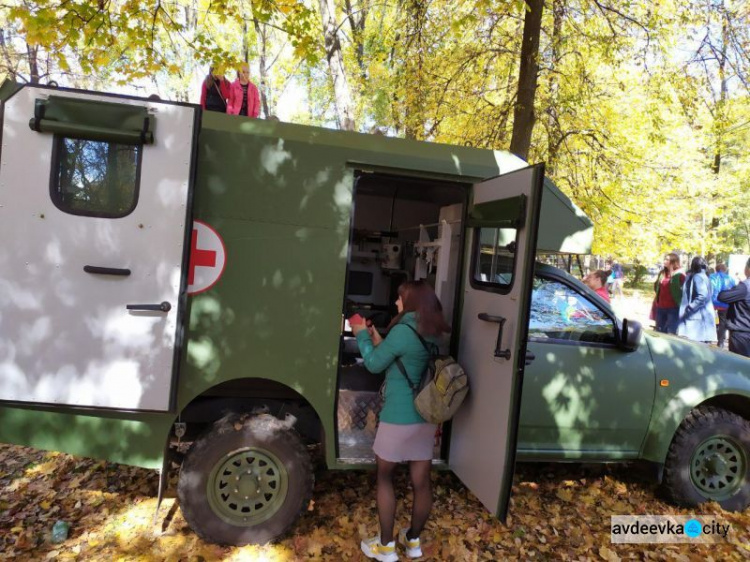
(235, 99)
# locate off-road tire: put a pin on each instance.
(222, 454)
(710, 431)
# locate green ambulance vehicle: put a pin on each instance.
(174, 288)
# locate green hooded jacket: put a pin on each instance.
(404, 344)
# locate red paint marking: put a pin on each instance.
(199, 258)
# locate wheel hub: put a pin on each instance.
(247, 486)
(718, 467)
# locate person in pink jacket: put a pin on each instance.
(243, 95)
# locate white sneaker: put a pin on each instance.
(412, 546)
(374, 549)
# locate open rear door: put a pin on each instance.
(501, 238)
(95, 195)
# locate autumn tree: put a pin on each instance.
(523, 114)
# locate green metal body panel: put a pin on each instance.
(93, 120)
(134, 439)
(695, 373)
(280, 196)
(8, 88)
(581, 402)
(563, 227)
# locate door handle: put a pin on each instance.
(106, 270)
(162, 307)
(503, 353)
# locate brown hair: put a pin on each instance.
(602, 275)
(419, 297)
(211, 79)
(673, 259)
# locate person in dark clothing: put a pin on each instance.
(215, 92)
(738, 315)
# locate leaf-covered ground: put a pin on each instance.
(558, 512)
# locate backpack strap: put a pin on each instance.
(221, 96)
(428, 346)
(403, 372)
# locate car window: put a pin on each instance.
(560, 313)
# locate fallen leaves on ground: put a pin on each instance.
(558, 512)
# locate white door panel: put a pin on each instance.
(483, 431)
(66, 336)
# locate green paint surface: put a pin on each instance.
(280, 196)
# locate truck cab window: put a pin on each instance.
(95, 178)
(560, 313)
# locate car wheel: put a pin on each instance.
(245, 480)
(709, 460)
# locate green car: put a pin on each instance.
(589, 395)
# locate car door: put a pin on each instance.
(501, 240)
(95, 197)
(583, 396)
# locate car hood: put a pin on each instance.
(686, 362)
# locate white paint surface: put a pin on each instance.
(65, 335)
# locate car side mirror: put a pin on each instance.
(630, 335)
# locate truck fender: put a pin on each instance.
(666, 419)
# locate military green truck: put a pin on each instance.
(175, 285)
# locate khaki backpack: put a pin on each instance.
(443, 386)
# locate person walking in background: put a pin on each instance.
(721, 281)
(597, 280)
(244, 98)
(402, 435)
(618, 278)
(667, 299)
(214, 92)
(738, 314)
(696, 320)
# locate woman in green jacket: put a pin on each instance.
(403, 436)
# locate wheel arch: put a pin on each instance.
(251, 394)
(664, 424)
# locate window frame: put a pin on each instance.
(608, 313)
(489, 286)
(54, 192)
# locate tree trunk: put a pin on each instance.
(414, 117)
(553, 122)
(523, 116)
(357, 14)
(341, 93)
(33, 64)
(245, 41)
(260, 33)
(4, 48)
(720, 119)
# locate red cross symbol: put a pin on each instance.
(199, 258)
